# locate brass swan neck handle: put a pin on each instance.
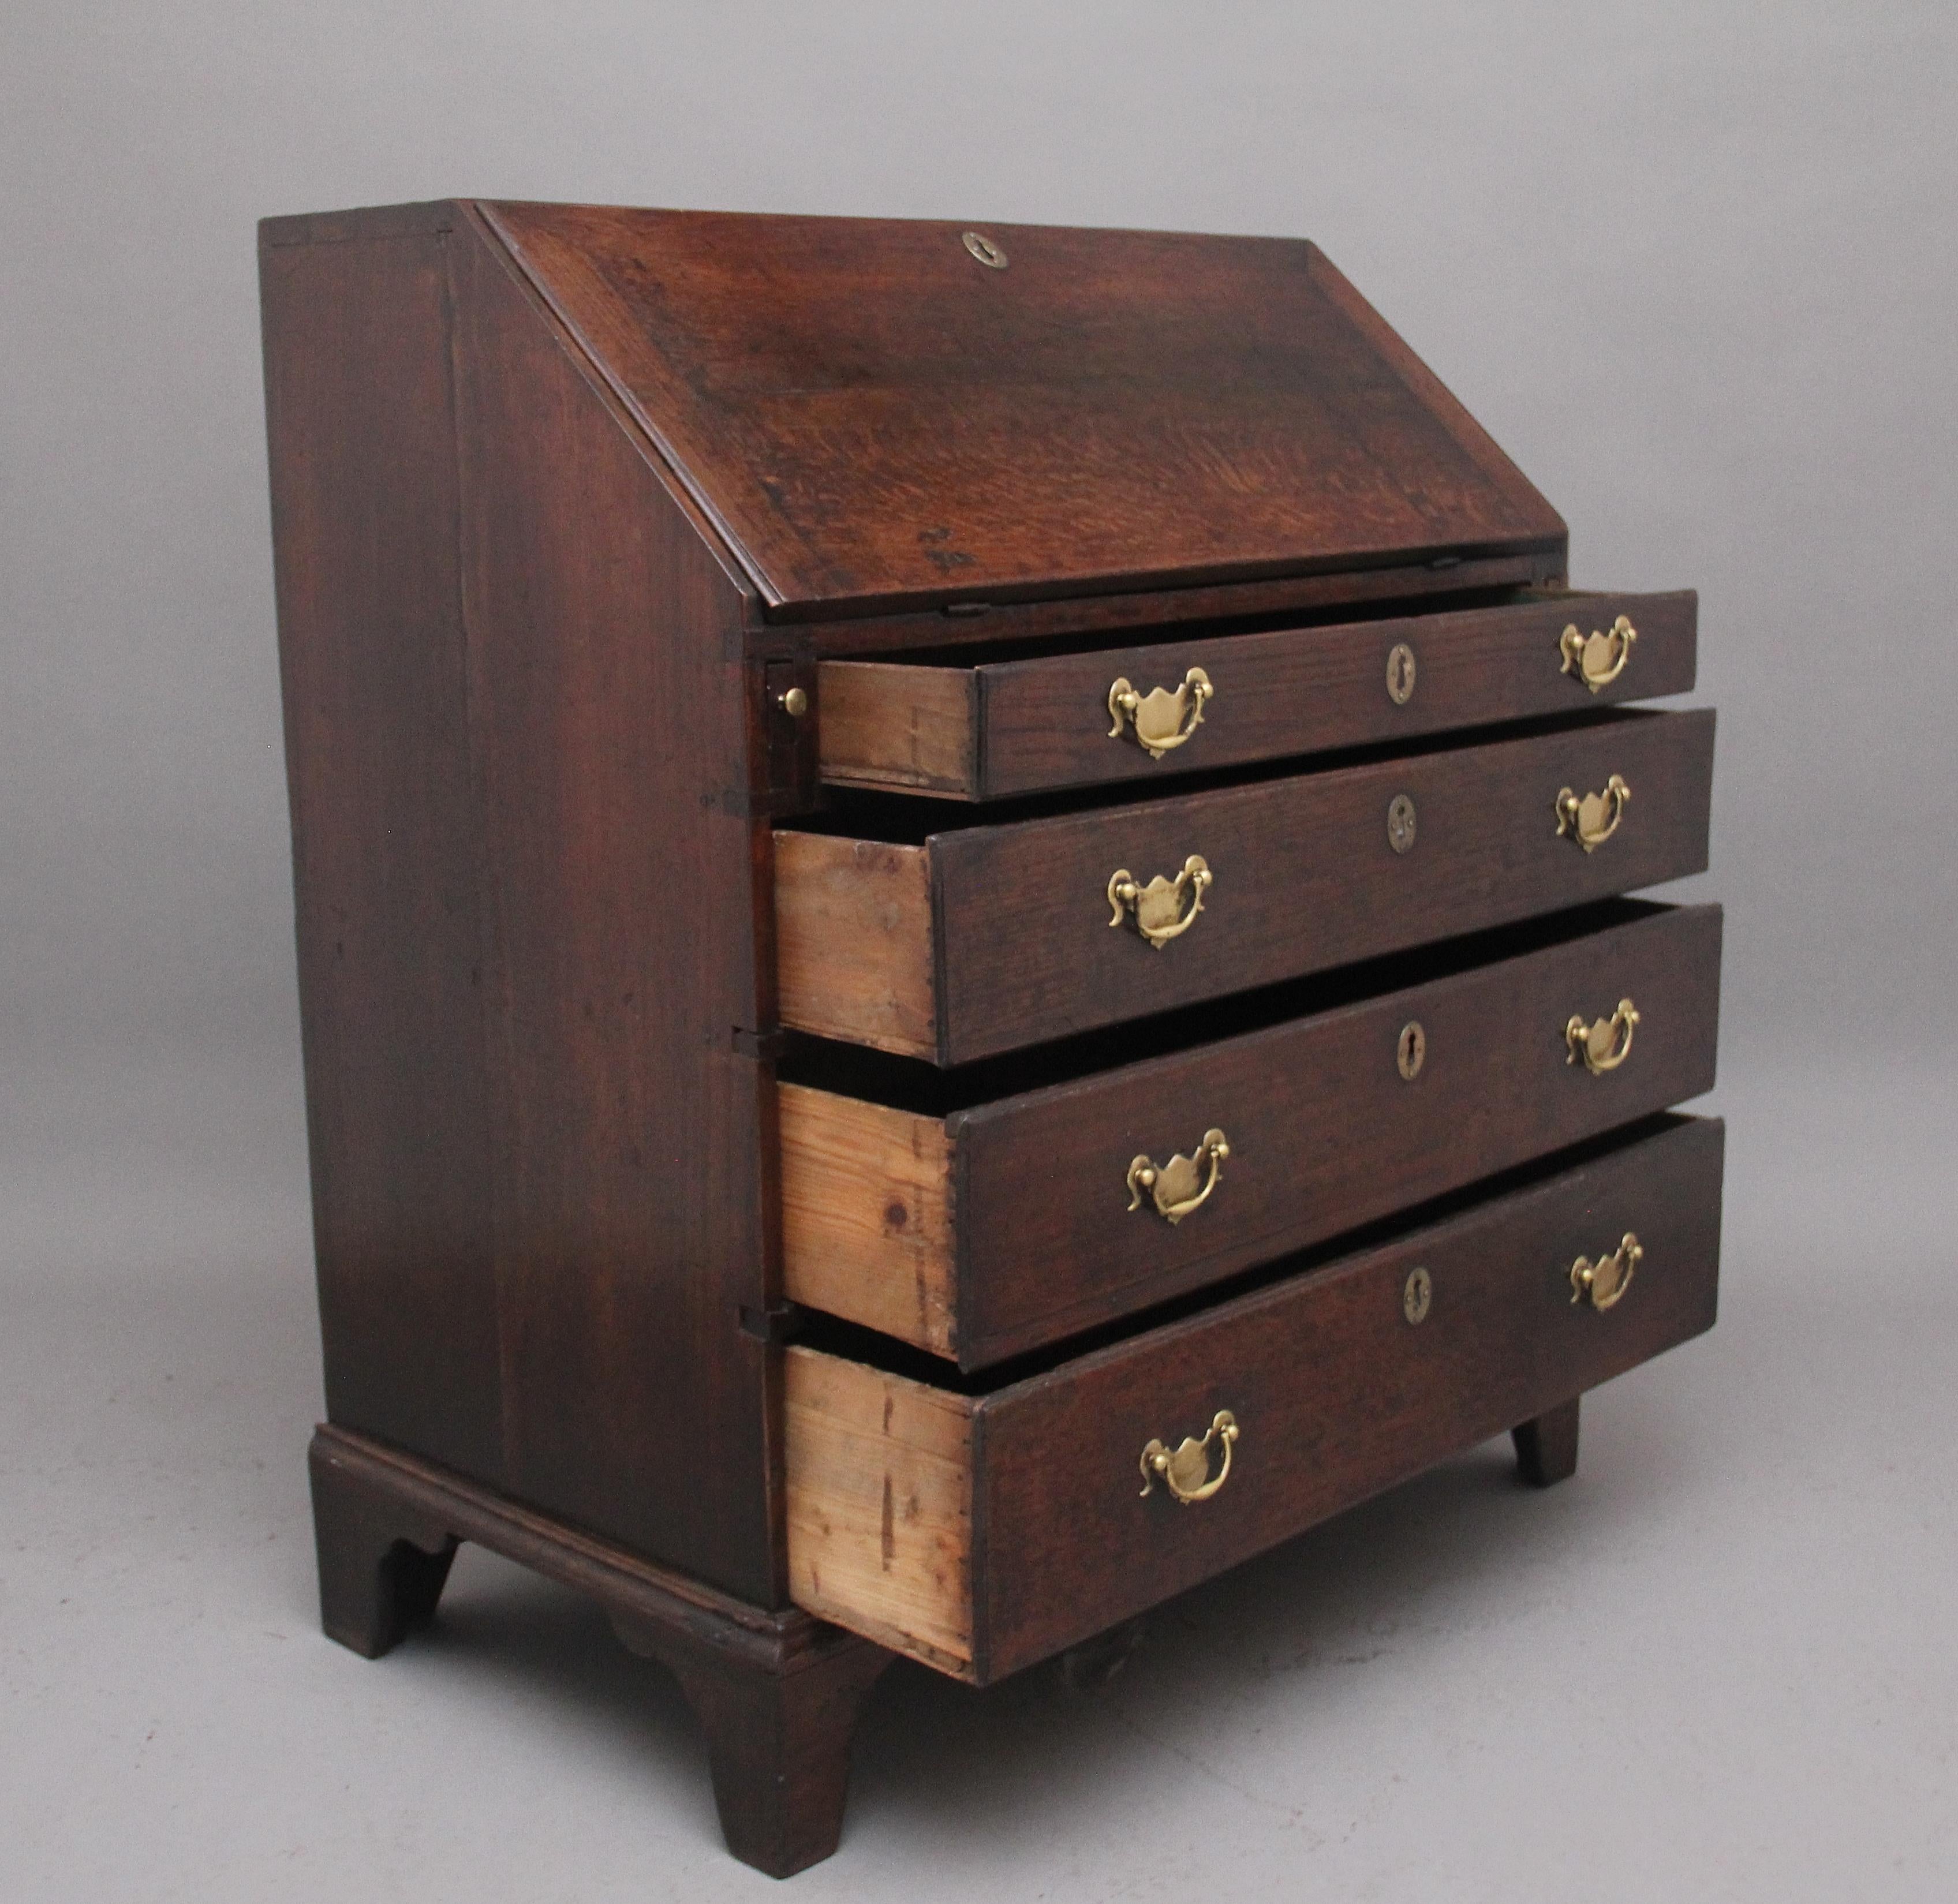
(1605, 1043)
(1186, 1472)
(1604, 1282)
(1158, 907)
(1592, 819)
(1179, 1187)
(1164, 717)
(1599, 658)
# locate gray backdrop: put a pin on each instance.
(1693, 266)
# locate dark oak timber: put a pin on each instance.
(874, 419)
(1547, 1445)
(652, 586)
(1009, 727)
(1035, 1242)
(1336, 1395)
(778, 1694)
(1018, 945)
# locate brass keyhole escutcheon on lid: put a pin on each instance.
(982, 247)
(1400, 674)
(1417, 1295)
(1411, 1050)
(1400, 823)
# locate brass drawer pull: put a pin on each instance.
(1584, 820)
(1606, 1043)
(1158, 906)
(1604, 1282)
(1163, 717)
(1599, 658)
(1187, 1473)
(1174, 1188)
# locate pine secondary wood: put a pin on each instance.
(853, 933)
(880, 1506)
(912, 1511)
(867, 1228)
(1023, 726)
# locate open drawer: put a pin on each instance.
(1030, 1214)
(980, 939)
(966, 731)
(980, 1532)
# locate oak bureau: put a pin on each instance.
(962, 935)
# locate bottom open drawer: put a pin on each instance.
(980, 1532)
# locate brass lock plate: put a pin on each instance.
(1411, 1050)
(1401, 671)
(1417, 1295)
(1400, 822)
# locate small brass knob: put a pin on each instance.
(795, 703)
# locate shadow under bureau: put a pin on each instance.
(964, 936)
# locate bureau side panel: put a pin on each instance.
(609, 716)
(384, 854)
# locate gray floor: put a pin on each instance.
(1719, 1664)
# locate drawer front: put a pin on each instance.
(984, 1535)
(1026, 1221)
(1069, 720)
(994, 937)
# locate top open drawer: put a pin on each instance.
(984, 732)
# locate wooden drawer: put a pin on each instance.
(987, 1231)
(981, 1532)
(984, 938)
(966, 732)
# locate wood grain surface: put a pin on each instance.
(1005, 1227)
(1336, 1394)
(1020, 949)
(874, 419)
(1009, 727)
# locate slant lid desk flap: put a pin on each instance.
(879, 414)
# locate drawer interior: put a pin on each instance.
(981, 1525)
